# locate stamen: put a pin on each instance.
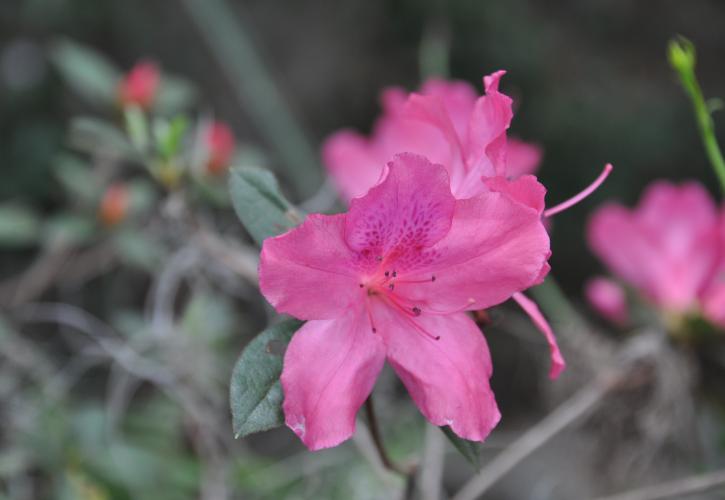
(409, 282)
(370, 314)
(579, 197)
(407, 316)
(465, 307)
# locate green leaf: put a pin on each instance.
(471, 450)
(259, 204)
(255, 393)
(91, 75)
(19, 226)
(137, 126)
(97, 136)
(169, 135)
(76, 177)
(68, 229)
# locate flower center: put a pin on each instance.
(382, 286)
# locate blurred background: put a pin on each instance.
(117, 344)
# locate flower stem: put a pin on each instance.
(378, 441)
(681, 54)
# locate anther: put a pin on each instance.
(391, 286)
(433, 278)
(375, 330)
(387, 273)
(395, 274)
(416, 310)
(361, 285)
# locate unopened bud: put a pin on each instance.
(140, 85)
(220, 147)
(114, 205)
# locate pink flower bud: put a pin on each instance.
(114, 205)
(140, 85)
(608, 298)
(220, 147)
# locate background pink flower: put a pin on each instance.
(666, 247)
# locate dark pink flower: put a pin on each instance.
(608, 298)
(392, 279)
(219, 142)
(666, 248)
(140, 85)
(448, 123)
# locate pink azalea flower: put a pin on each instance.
(666, 247)
(448, 123)
(140, 85)
(392, 279)
(608, 298)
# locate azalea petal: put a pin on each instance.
(447, 378)
(308, 272)
(351, 162)
(486, 142)
(495, 248)
(458, 98)
(529, 306)
(411, 209)
(526, 189)
(329, 370)
(522, 158)
(430, 110)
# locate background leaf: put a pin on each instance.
(470, 450)
(259, 204)
(19, 226)
(92, 135)
(255, 392)
(91, 75)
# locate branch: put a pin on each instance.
(569, 412)
(677, 488)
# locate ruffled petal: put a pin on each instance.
(527, 190)
(495, 248)
(458, 99)
(486, 142)
(411, 209)
(329, 370)
(352, 163)
(447, 378)
(309, 271)
(529, 306)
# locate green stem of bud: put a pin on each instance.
(682, 59)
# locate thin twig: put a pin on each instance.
(569, 412)
(674, 489)
(378, 440)
(430, 477)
